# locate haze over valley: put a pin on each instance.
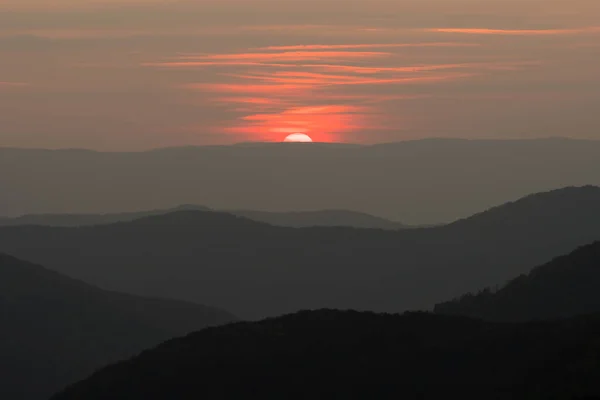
(402, 182)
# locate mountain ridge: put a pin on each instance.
(257, 270)
(564, 287)
(440, 139)
(294, 219)
(528, 203)
(401, 182)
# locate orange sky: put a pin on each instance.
(133, 74)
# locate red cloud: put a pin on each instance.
(518, 32)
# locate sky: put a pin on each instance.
(130, 75)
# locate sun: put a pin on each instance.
(298, 138)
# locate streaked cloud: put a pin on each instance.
(367, 46)
(292, 56)
(520, 32)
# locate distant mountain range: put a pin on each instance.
(349, 355)
(74, 220)
(568, 285)
(255, 270)
(330, 218)
(416, 182)
(56, 330)
(298, 219)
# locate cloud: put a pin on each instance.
(260, 101)
(290, 56)
(366, 46)
(299, 79)
(518, 32)
(202, 64)
(244, 88)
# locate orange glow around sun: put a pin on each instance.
(282, 93)
(328, 92)
(322, 124)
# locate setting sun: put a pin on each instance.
(298, 138)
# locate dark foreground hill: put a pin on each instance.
(349, 355)
(257, 270)
(298, 219)
(567, 286)
(416, 182)
(55, 330)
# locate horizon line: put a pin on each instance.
(273, 143)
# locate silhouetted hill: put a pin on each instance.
(536, 208)
(73, 220)
(349, 355)
(416, 182)
(330, 218)
(567, 286)
(292, 219)
(56, 330)
(256, 270)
